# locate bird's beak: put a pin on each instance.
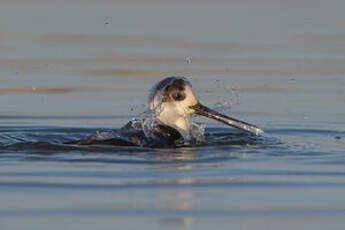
(202, 110)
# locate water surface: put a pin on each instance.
(65, 75)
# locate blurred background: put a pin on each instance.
(101, 58)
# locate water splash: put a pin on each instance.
(152, 128)
(149, 120)
(198, 132)
(223, 107)
(104, 135)
(188, 60)
(232, 98)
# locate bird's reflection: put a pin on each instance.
(177, 167)
(175, 160)
(178, 195)
(177, 221)
(175, 181)
(176, 157)
(176, 201)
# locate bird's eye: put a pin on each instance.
(178, 96)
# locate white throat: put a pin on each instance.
(181, 123)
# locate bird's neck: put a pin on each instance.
(182, 125)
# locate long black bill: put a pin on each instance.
(202, 110)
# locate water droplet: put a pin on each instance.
(188, 60)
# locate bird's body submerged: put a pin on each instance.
(167, 122)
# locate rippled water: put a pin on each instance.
(65, 75)
(288, 177)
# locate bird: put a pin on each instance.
(168, 119)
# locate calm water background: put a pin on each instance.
(68, 68)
